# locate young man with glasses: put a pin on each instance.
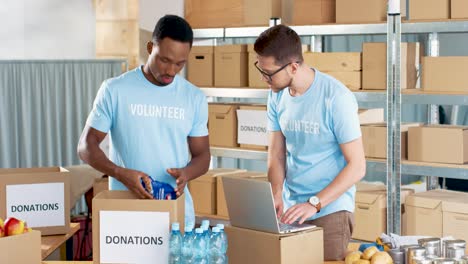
(315, 153)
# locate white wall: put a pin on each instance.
(152, 10)
(47, 29)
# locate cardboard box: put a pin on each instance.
(444, 74)
(116, 9)
(200, 66)
(230, 13)
(100, 185)
(374, 139)
(429, 9)
(249, 246)
(368, 116)
(334, 61)
(222, 124)
(203, 190)
(438, 143)
(117, 37)
(360, 11)
(351, 79)
(458, 9)
(221, 206)
(455, 216)
(21, 249)
(374, 65)
(252, 130)
(308, 12)
(255, 77)
(231, 68)
(125, 217)
(46, 207)
(437, 213)
(370, 212)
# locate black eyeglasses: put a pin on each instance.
(269, 75)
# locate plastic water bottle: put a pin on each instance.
(199, 248)
(216, 245)
(206, 236)
(187, 245)
(224, 238)
(175, 244)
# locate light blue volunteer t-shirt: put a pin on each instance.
(148, 125)
(314, 125)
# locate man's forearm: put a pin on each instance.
(93, 155)
(351, 174)
(198, 166)
(276, 175)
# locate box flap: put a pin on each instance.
(210, 176)
(31, 170)
(446, 127)
(231, 48)
(259, 107)
(221, 108)
(455, 202)
(369, 197)
(430, 199)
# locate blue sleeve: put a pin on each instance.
(273, 122)
(345, 118)
(200, 121)
(101, 115)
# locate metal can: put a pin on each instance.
(405, 249)
(415, 253)
(454, 252)
(444, 261)
(422, 261)
(432, 245)
(452, 243)
(398, 255)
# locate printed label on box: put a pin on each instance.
(39, 204)
(134, 237)
(252, 127)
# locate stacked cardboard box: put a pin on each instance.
(458, 9)
(230, 13)
(429, 9)
(374, 65)
(308, 12)
(437, 213)
(200, 66)
(21, 249)
(371, 211)
(444, 74)
(222, 124)
(438, 143)
(231, 68)
(344, 66)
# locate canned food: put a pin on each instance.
(422, 261)
(432, 245)
(444, 261)
(455, 252)
(397, 255)
(416, 253)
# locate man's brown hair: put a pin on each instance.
(280, 42)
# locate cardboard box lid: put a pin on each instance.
(230, 48)
(444, 127)
(455, 202)
(430, 199)
(202, 49)
(369, 197)
(221, 108)
(210, 176)
(31, 170)
(273, 235)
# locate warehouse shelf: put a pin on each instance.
(409, 96)
(454, 171)
(407, 27)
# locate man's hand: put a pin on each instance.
(301, 211)
(181, 180)
(132, 180)
(279, 204)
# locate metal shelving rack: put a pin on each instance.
(368, 98)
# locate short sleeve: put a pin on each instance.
(200, 121)
(100, 117)
(345, 118)
(273, 122)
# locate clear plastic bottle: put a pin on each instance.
(216, 245)
(206, 235)
(175, 245)
(187, 245)
(200, 255)
(224, 237)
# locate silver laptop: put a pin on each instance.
(250, 205)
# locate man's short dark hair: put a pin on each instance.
(174, 27)
(281, 43)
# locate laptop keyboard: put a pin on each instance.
(284, 227)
